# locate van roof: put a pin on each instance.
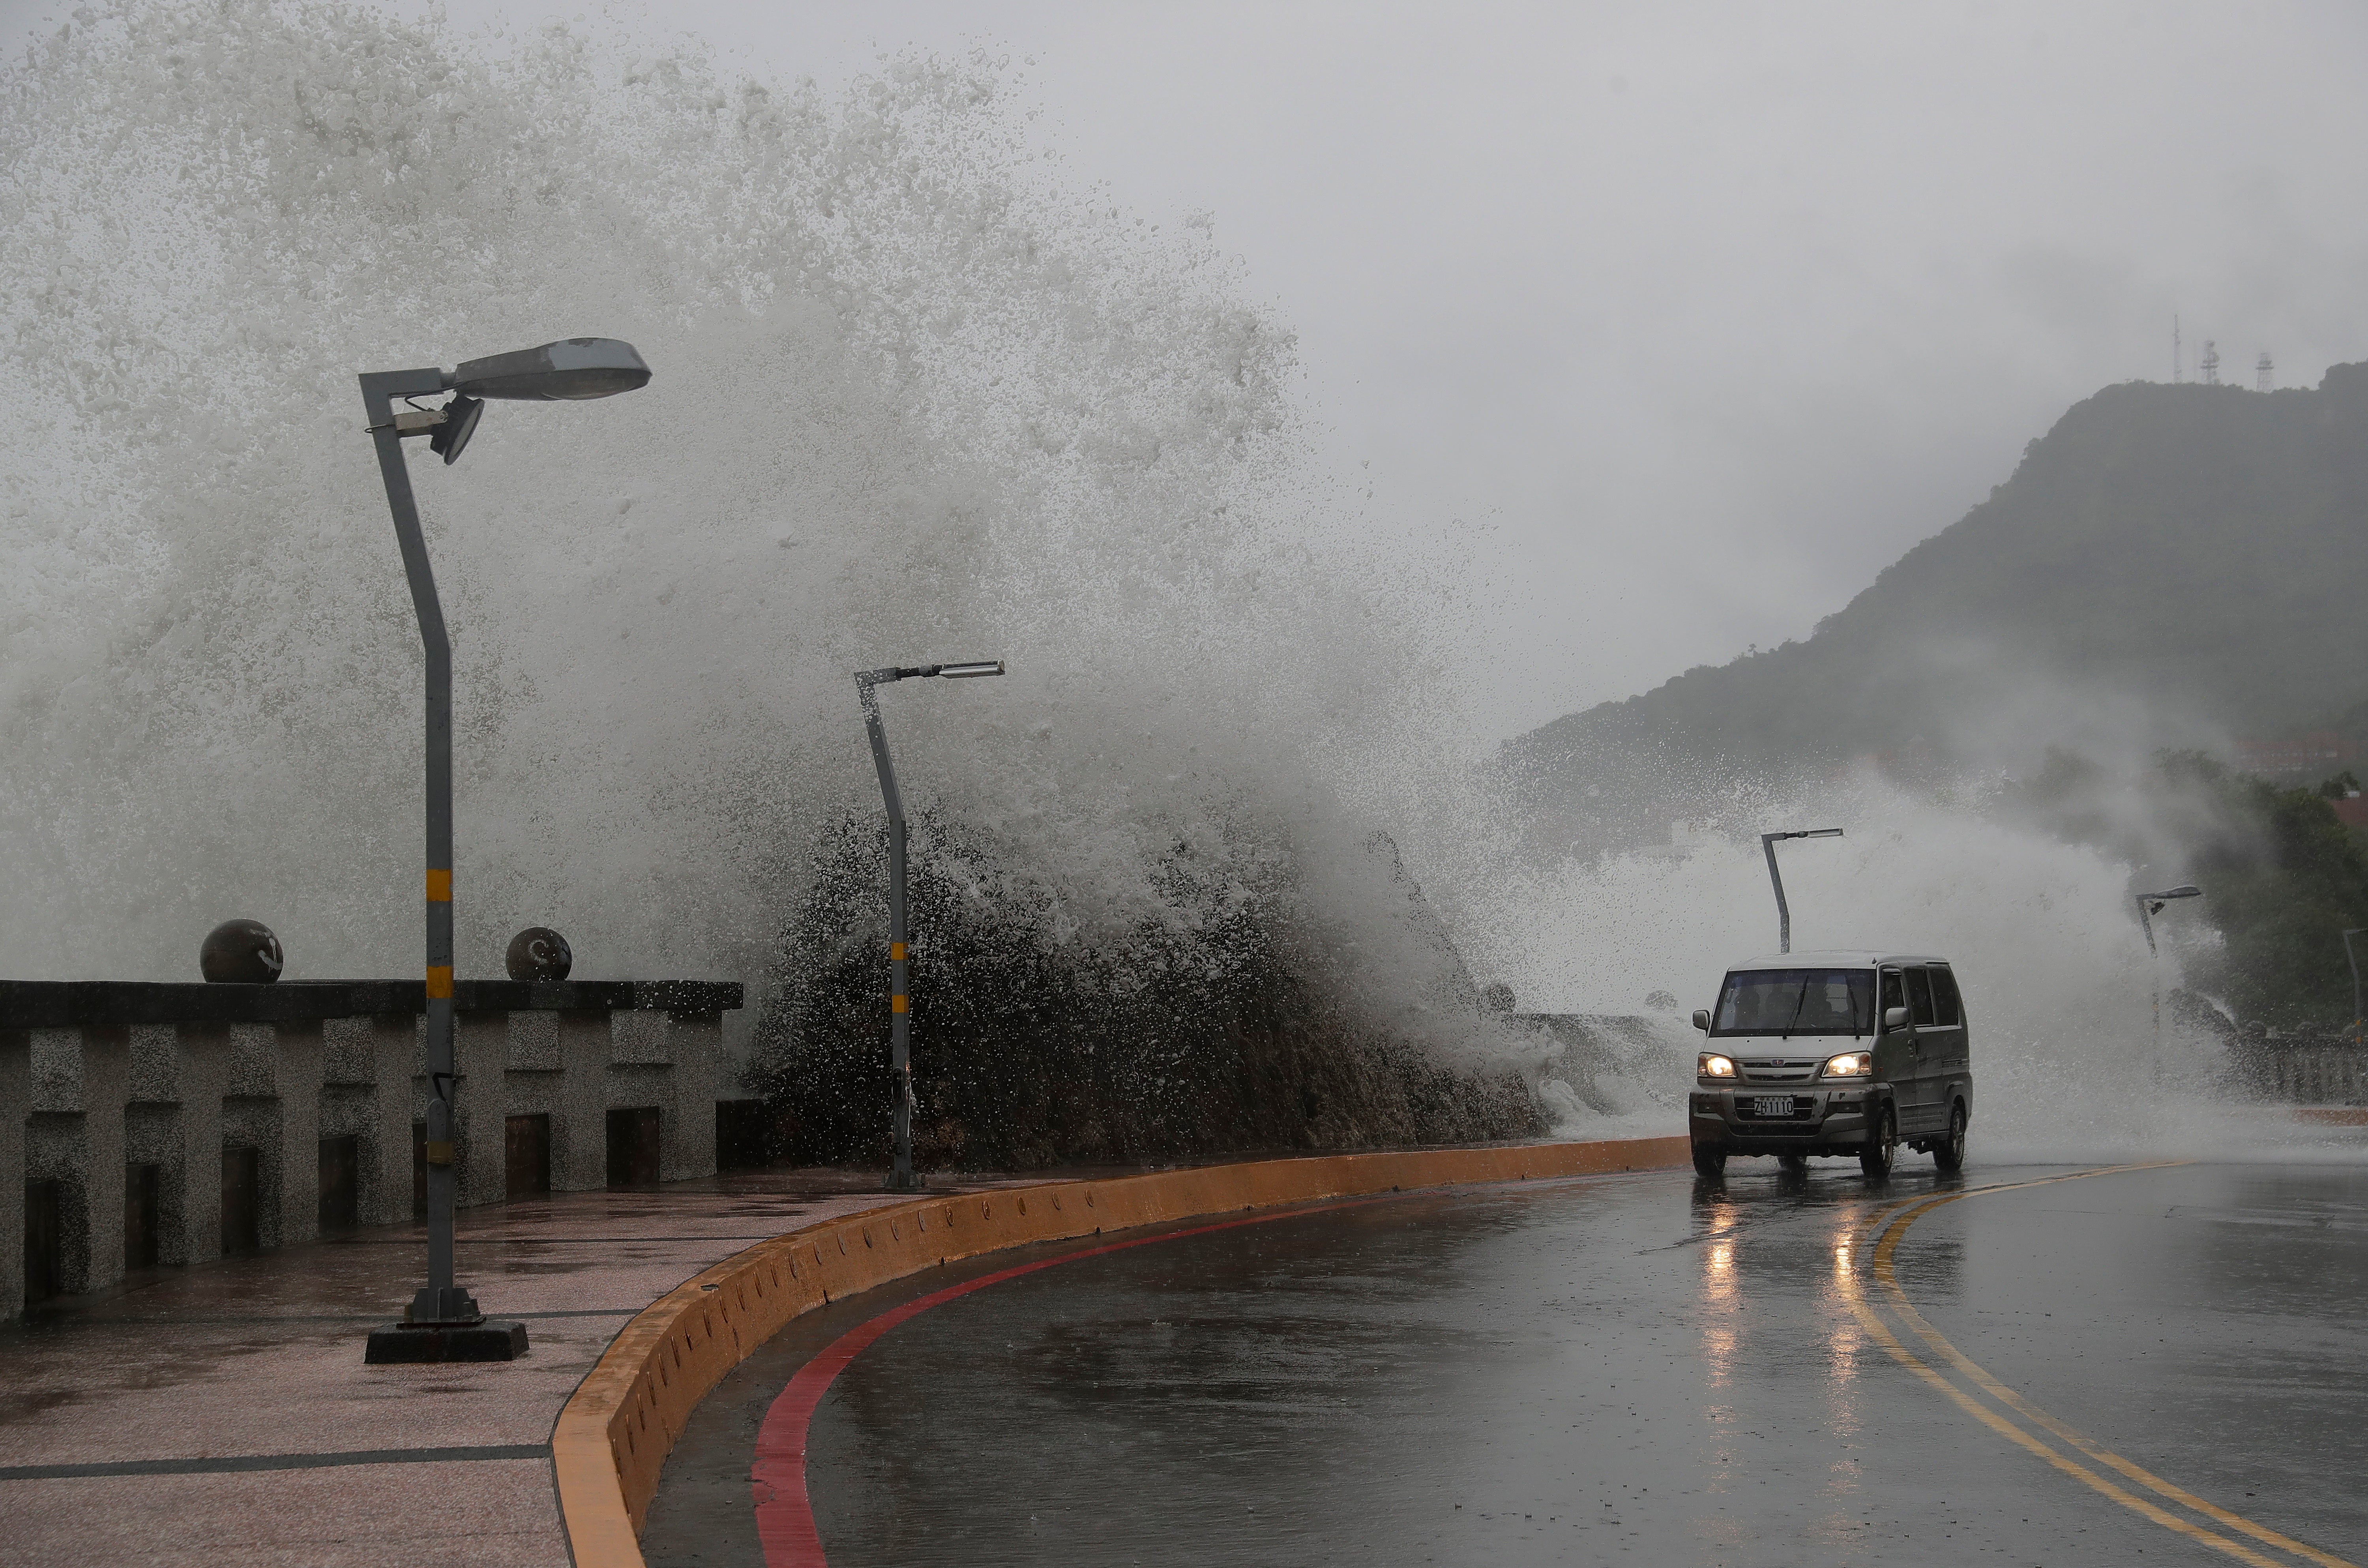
(1834, 958)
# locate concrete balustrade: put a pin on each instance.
(2313, 1075)
(193, 1094)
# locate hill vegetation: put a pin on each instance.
(2168, 566)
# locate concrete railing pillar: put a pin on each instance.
(252, 1118)
(296, 1073)
(695, 1044)
(481, 1055)
(91, 1215)
(386, 1174)
(16, 1105)
(579, 1131)
(190, 1204)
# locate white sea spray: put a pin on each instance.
(916, 398)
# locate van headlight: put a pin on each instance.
(1850, 1064)
(1713, 1065)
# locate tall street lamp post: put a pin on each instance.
(442, 1323)
(2149, 905)
(1767, 842)
(900, 1019)
(2353, 959)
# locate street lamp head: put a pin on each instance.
(915, 672)
(574, 368)
(571, 368)
(2183, 891)
(461, 417)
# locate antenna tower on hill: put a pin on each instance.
(2264, 373)
(2178, 361)
(2210, 364)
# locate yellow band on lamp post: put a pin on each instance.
(439, 982)
(439, 887)
(898, 1005)
(439, 1153)
(896, 952)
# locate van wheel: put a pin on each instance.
(1710, 1162)
(1882, 1148)
(1949, 1153)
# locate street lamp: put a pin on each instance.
(1767, 842)
(900, 1020)
(2149, 905)
(442, 1323)
(2354, 959)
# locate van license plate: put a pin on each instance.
(1767, 1107)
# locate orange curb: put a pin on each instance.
(613, 1434)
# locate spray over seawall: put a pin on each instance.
(914, 399)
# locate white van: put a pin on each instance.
(1834, 1053)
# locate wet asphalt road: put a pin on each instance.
(1629, 1369)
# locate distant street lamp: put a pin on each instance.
(2354, 959)
(442, 1323)
(2149, 905)
(1767, 842)
(900, 1020)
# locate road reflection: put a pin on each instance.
(1636, 1368)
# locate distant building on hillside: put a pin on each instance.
(2305, 758)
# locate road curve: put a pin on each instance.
(2156, 1365)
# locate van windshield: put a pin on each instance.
(1796, 1001)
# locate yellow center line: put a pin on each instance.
(1901, 1218)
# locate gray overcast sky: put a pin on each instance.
(1701, 313)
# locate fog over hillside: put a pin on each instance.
(2170, 565)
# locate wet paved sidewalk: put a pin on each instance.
(222, 1413)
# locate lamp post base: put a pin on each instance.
(401, 1343)
(912, 1181)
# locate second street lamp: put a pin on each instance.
(1767, 842)
(2353, 960)
(443, 1323)
(2149, 905)
(900, 1019)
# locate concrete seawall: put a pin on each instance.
(612, 1436)
(169, 1117)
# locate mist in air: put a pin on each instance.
(920, 394)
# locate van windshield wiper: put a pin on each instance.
(1797, 1006)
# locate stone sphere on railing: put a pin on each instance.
(240, 952)
(539, 953)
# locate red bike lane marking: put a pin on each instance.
(776, 1478)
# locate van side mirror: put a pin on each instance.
(1893, 1018)
(1702, 1019)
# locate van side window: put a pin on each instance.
(1946, 1007)
(1919, 997)
(1892, 996)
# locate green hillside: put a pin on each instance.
(2204, 550)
